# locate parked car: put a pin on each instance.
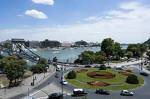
(55, 96)
(63, 82)
(119, 68)
(28, 97)
(101, 91)
(88, 66)
(144, 73)
(56, 75)
(126, 93)
(1, 72)
(79, 92)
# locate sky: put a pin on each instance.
(125, 21)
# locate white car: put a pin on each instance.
(126, 93)
(28, 97)
(63, 82)
(79, 92)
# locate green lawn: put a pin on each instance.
(4, 80)
(119, 79)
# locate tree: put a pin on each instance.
(122, 52)
(55, 59)
(107, 46)
(112, 49)
(81, 43)
(7, 45)
(38, 68)
(148, 54)
(137, 49)
(103, 67)
(71, 75)
(132, 79)
(129, 54)
(42, 61)
(100, 57)
(87, 57)
(117, 51)
(13, 68)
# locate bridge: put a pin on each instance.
(20, 49)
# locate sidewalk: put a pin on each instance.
(125, 63)
(43, 93)
(26, 84)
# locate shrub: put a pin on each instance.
(38, 68)
(102, 67)
(71, 75)
(132, 79)
(129, 70)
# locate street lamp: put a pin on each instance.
(62, 79)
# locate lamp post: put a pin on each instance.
(62, 79)
(32, 83)
(141, 64)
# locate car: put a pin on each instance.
(56, 75)
(144, 73)
(88, 66)
(126, 93)
(55, 96)
(101, 91)
(28, 97)
(63, 82)
(1, 72)
(79, 92)
(119, 68)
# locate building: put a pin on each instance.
(66, 44)
(34, 44)
(47, 43)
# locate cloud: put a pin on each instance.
(45, 2)
(126, 24)
(130, 6)
(36, 14)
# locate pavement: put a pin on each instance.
(26, 87)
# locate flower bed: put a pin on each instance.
(97, 83)
(98, 74)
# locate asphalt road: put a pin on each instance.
(141, 93)
(42, 85)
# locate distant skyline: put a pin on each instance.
(125, 21)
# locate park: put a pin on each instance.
(109, 79)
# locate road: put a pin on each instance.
(141, 93)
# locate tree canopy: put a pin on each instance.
(111, 48)
(89, 57)
(13, 68)
(137, 49)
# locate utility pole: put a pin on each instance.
(141, 64)
(32, 84)
(62, 80)
(28, 91)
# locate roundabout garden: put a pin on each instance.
(109, 79)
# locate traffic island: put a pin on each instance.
(109, 79)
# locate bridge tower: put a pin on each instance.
(17, 44)
(21, 50)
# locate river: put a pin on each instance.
(64, 54)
